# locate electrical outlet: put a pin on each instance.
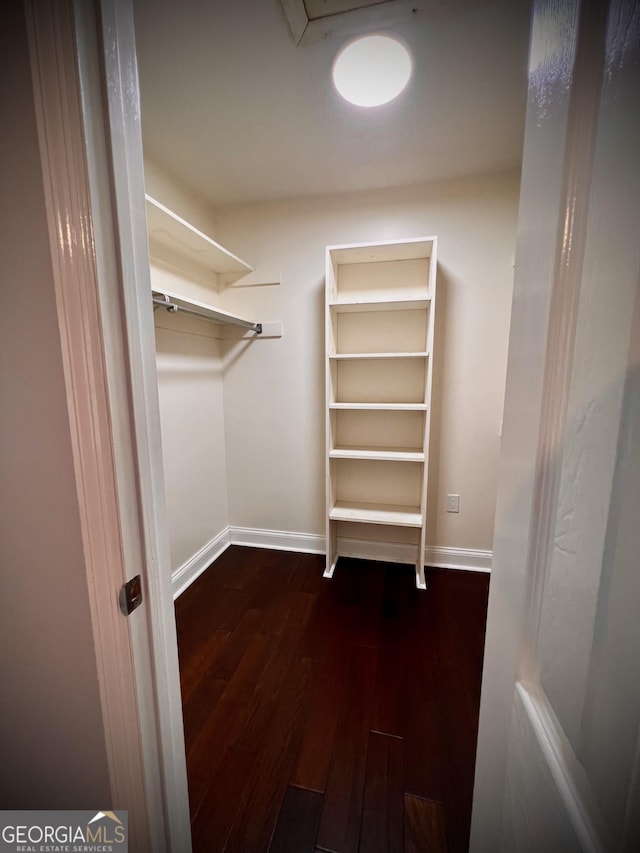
(453, 503)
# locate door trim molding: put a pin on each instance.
(56, 86)
(567, 772)
(580, 143)
(156, 652)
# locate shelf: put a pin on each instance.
(385, 454)
(381, 407)
(176, 234)
(386, 250)
(207, 312)
(399, 516)
(377, 355)
(401, 303)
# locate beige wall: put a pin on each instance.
(243, 437)
(274, 389)
(51, 733)
(189, 365)
(193, 439)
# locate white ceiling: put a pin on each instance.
(236, 112)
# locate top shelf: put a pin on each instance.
(393, 250)
(172, 232)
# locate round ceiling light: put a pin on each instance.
(372, 70)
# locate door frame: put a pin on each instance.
(155, 650)
(87, 108)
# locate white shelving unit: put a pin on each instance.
(380, 315)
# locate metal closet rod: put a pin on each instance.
(165, 302)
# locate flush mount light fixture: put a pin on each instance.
(372, 70)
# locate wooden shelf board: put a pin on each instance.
(174, 232)
(381, 407)
(368, 513)
(377, 355)
(391, 454)
(388, 250)
(392, 303)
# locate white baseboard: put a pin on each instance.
(397, 552)
(369, 549)
(442, 558)
(467, 559)
(279, 540)
(309, 543)
(195, 566)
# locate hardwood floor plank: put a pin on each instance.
(464, 612)
(341, 814)
(424, 826)
(291, 612)
(226, 721)
(263, 767)
(328, 640)
(370, 609)
(298, 820)
(277, 691)
(212, 825)
(196, 712)
(286, 640)
(270, 591)
(423, 745)
(382, 827)
(348, 581)
(399, 587)
(240, 570)
(194, 666)
(331, 624)
(236, 646)
(256, 817)
(458, 738)
(313, 567)
(388, 712)
(285, 673)
(210, 602)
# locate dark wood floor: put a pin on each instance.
(335, 715)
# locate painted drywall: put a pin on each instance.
(189, 366)
(193, 440)
(274, 389)
(51, 734)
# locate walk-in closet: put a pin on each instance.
(320, 458)
(331, 291)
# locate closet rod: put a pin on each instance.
(214, 316)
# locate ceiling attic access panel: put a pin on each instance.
(315, 20)
(380, 317)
